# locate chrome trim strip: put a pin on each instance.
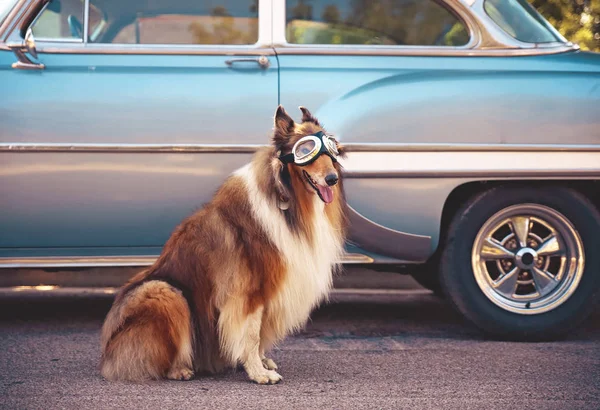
(155, 49)
(86, 20)
(58, 40)
(55, 290)
(249, 148)
(379, 147)
(480, 175)
(265, 24)
(108, 291)
(477, 164)
(118, 261)
(141, 148)
(423, 51)
(12, 18)
(77, 262)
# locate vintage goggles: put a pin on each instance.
(309, 148)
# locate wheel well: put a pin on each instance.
(590, 189)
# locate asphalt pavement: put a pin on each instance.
(367, 349)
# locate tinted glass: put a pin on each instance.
(60, 20)
(176, 22)
(376, 22)
(519, 19)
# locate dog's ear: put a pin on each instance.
(307, 116)
(284, 126)
(341, 149)
(279, 173)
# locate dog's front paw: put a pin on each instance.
(268, 377)
(180, 374)
(269, 364)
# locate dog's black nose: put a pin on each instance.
(331, 179)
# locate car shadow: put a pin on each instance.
(345, 316)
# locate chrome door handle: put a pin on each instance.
(262, 61)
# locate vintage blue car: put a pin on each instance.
(472, 126)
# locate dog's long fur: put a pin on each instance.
(237, 276)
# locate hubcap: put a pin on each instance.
(528, 259)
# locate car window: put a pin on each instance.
(177, 22)
(520, 20)
(377, 22)
(60, 20)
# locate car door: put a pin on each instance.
(385, 72)
(141, 110)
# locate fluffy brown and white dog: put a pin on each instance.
(238, 275)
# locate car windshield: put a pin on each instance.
(5, 7)
(519, 19)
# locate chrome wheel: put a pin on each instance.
(528, 259)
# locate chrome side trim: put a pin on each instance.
(157, 49)
(422, 51)
(110, 291)
(58, 40)
(119, 261)
(478, 164)
(249, 148)
(77, 262)
(397, 160)
(12, 18)
(480, 175)
(378, 147)
(376, 238)
(86, 20)
(141, 148)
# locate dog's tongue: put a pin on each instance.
(326, 193)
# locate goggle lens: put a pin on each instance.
(331, 146)
(305, 148)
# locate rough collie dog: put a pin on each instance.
(240, 274)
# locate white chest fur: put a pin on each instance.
(309, 266)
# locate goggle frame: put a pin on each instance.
(323, 145)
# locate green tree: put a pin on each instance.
(222, 29)
(220, 11)
(302, 11)
(577, 20)
(331, 14)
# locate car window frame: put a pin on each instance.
(487, 40)
(263, 46)
(442, 3)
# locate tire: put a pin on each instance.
(537, 306)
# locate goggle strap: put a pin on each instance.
(288, 158)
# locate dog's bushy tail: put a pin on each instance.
(147, 334)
